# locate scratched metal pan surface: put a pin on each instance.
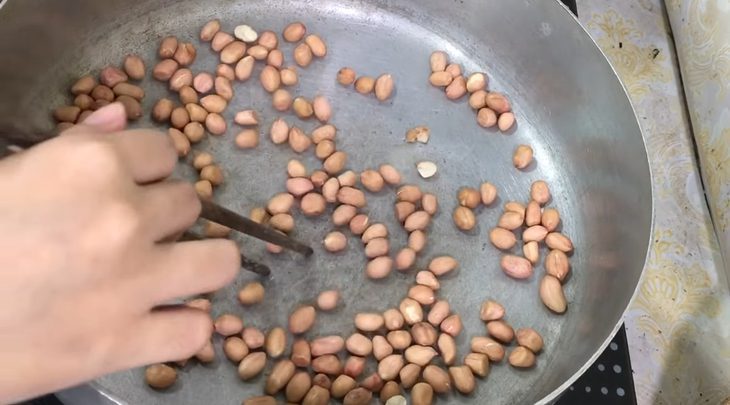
(570, 106)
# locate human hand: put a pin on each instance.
(86, 258)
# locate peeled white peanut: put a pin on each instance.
(245, 33)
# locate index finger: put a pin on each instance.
(150, 155)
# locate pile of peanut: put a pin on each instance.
(414, 344)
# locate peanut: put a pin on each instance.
(348, 179)
(302, 319)
(476, 82)
(327, 364)
(405, 259)
(326, 345)
(442, 265)
(440, 79)
(268, 40)
(298, 386)
(506, 121)
(374, 231)
(251, 365)
(533, 214)
(275, 342)
(469, 197)
(516, 267)
(422, 294)
(420, 355)
(535, 233)
(351, 196)
(223, 88)
(452, 325)
(418, 134)
(502, 238)
(501, 331)
(324, 150)
(259, 215)
(419, 220)
(127, 89)
(411, 311)
(335, 162)
(422, 394)
(399, 339)
(246, 117)
(550, 219)
(260, 400)
(531, 251)
(327, 300)
(463, 379)
(162, 110)
(359, 345)
(212, 173)
(270, 78)
(454, 69)
(253, 337)
(522, 157)
(478, 363)
(390, 394)
(235, 349)
(168, 45)
(322, 380)
(319, 177)
(437, 378)
(209, 30)
(557, 265)
(510, 220)
(228, 324)
(456, 89)
(279, 131)
(233, 52)
(223, 70)
(302, 107)
(558, 241)
(67, 113)
(409, 375)
(478, 100)
(381, 347)
(215, 230)
(179, 117)
(390, 366)
(498, 102)
(424, 334)
(426, 278)
(102, 92)
(244, 68)
(84, 85)
(282, 222)
(358, 396)
(377, 247)
(346, 76)
(160, 376)
(280, 375)
(220, 40)
(313, 204)
(429, 202)
(447, 348)
(343, 214)
(319, 49)
(300, 353)
(298, 140)
(194, 131)
(316, 396)
(131, 107)
(275, 58)
(383, 87)
(322, 109)
(364, 84)
(185, 54)
(439, 311)
(325, 132)
(335, 241)
(181, 142)
(188, 95)
(181, 78)
(247, 139)
(464, 218)
(493, 349)
(342, 385)
(134, 67)
(204, 189)
(521, 357)
(214, 103)
(417, 241)
(403, 209)
(529, 338)
(206, 354)
(358, 224)
(110, 76)
(251, 293)
(289, 76)
(438, 61)
(379, 267)
(390, 174)
(552, 295)
(303, 55)
(164, 70)
(215, 124)
(294, 32)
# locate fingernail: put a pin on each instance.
(110, 116)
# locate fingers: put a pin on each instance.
(189, 268)
(168, 334)
(110, 118)
(149, 154)
(169, 207)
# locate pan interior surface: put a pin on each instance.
(570, 108)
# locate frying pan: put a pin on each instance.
(570, 106)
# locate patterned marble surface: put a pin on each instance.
(678, 327)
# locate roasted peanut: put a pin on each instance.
(558, 241)
(270, 78)
(439, 312)
(422, 394)
(464, 218)
(244, 68)
(303, 55)
(302, 107)
(298, 386)
(258, 52)
(289, 76)
(529, 338)
(440, 79)
(313, 204)
(294, 32)
(409, 375)
(346, 76)
(188, 95)
(84, 85)
(327, 300)
(209, 30)
(316, 396)
(228, 324)
(160, 376)
(327, 364)
(364, 84)
(110, 76)
(298, 140)
(342, 385)
(162, 110)
(275, 343)
(235, 349)
(522, 156)
(220, 40)
(164, 70)
(477, 101)
(233, 52)
(194, 131)
(215, 124)
(324, 150)
(275, 58)
(521, 357)
(348, 179)
(493, 349)
(181, 78)
(251, 293)
(552, 295)
(452, 325)
(438, 61)
(282, 222)
(280, 375)
(390, 366)
(383, 87)
(442, 265)
(456, 89)
(181, 142)
(268, 40)
(300, 353)
(319, 49)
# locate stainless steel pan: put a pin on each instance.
(570, 105)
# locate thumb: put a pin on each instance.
(110, 118)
